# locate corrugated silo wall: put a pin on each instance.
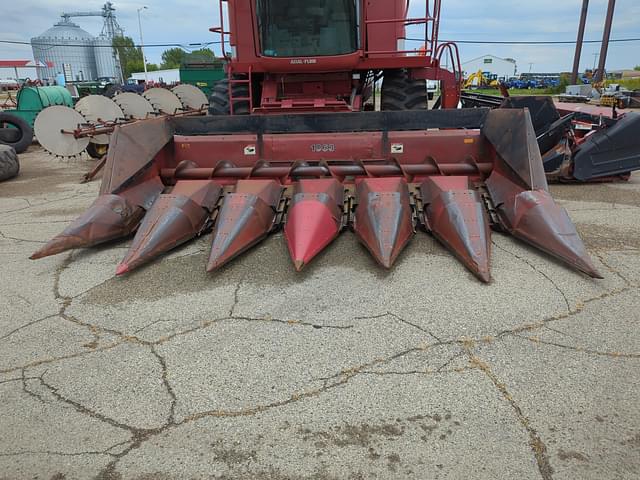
(107, 64)
(77, 52)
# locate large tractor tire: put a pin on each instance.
(9, 165)
(400, 92)
(19, 141)
(112, 90)
(96, 150)
(219, 100)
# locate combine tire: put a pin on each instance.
(96, 150)
(9, 166)
(219, 100)
(19, 141)
(112, 91)
(399, 92)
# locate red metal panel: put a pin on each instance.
(173, 219)
(207, 151)
(110, 217)
(383, 217)
(534, 217)
(314, 218)
(455, 215)
(409, 147)
(245, 219)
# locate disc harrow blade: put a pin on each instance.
(383, 220)
(534, 217)
(456, 217)
(110, 217)
(314, 218)
(246, 218)
(173, 219)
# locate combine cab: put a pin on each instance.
(289, 147)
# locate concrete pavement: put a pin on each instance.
(342, 372)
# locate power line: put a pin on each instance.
(160, 45)
(541, 42)
(206, 44)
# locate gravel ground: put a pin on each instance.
(341, 372)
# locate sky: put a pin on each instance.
(188, 21)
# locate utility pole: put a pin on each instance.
(144, 59)
(605, 41)
(576, 59)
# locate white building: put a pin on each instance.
(504, 68)
(160, 76)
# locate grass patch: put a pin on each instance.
(512, 91)
(629, 83)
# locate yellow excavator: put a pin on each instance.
(481, 79)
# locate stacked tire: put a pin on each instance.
(9, 166)
(18, 136)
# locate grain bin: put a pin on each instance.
(107, 65)
(66, 44)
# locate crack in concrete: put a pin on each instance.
(556, 318)
(167, 385)
(30, 205)
(579, 349)
(538, 447)
(140, 436)
(85, 410)
(19, 240)
(400, 319)
(59, 454)
(627, 282)
(235, 297)
(537, 270)
(26, 325)
(25, 387)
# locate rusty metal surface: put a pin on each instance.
(512, 135)
(109, 218)
(534, 217)
(132, 150)
(383, 219)
(456, 217)
(313, 219)
(246, 217)
(172, 220)
(433, 178)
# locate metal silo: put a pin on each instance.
(69, 48)
(107, 64)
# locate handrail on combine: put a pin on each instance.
(223, 33)
(454, 56)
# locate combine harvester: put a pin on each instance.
(290, 145)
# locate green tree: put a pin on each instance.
(637, 68)
(172, 58)
(130, 56)
(204, 55)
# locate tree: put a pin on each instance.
(172, 58)
(637, 68)
(130, 56)
(204, 55)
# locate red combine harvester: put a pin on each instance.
(290, 145)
